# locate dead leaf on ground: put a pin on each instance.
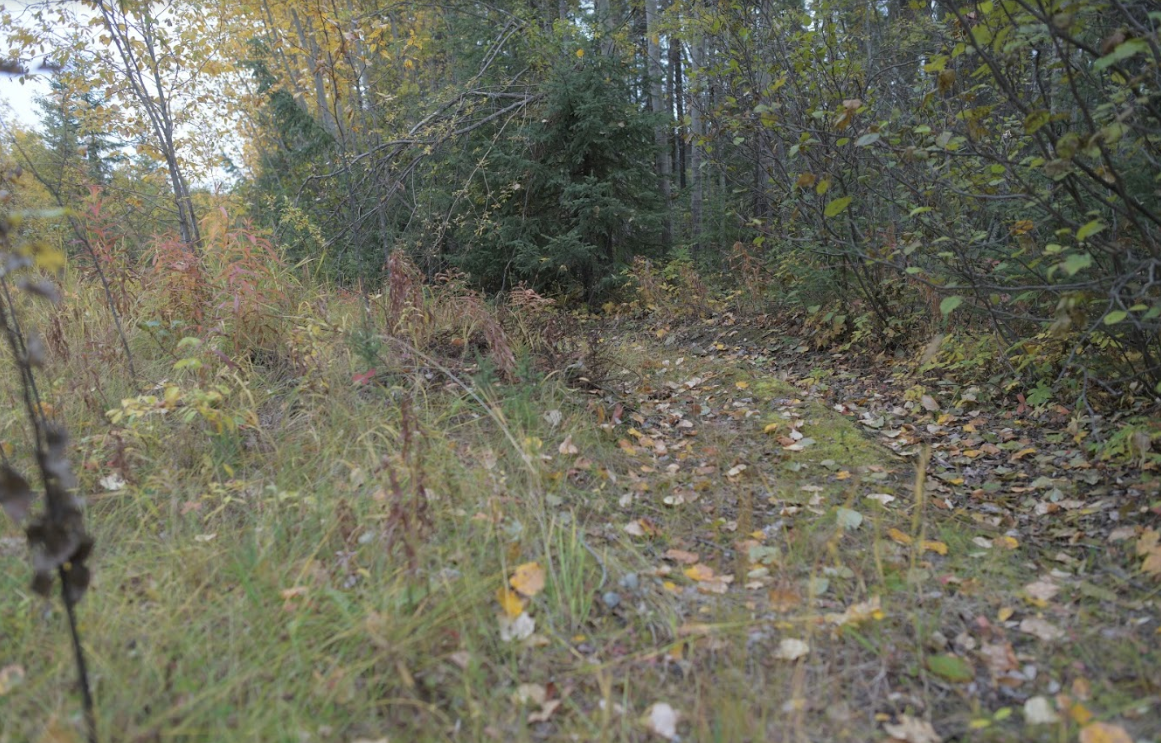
(661, 720)
(520, 628)
(1041, 629)
(1042, 591)
(1039, 711)
(791, 649)
(681, 556)
(1104, 732)
(912, 730)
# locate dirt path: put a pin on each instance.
(832, 580)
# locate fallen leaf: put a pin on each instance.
(1148, 547)
(791, 649)
(999, 657)
(938, 548)
(1042, 591)
(661, 720)
(951, 667)
(681, 556)
(16, 496)
(1104, 732)
(113, 482)
(1039, 711)
(699, 572)
(898, 536)
(912, 730)
(858, 613)
(520, 628)
(567, 447)
(530, 693)
(545, 712)
(510, 602)
(634, 528)
(849, 519)
(528, 579)
(1041, 629)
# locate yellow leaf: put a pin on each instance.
(528, 579)
(510, 602)
(771, 428)
(937, 547)
(699, 572)
(899, 536)
(741, 385)
(1103, 732)
(1007, 542)
(1080, 715)
(580, 53)
(1005, 613)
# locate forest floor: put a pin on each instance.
(727, 537)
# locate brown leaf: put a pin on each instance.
(16, 496)
(681, 556)
(912, 730)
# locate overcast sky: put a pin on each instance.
(19, 98)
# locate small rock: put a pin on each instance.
(612, 599)
(629, 581)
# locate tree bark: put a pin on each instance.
(142, 70)
(657, 105)
(697, 153)
(677, 94)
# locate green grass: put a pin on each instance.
(273, 581)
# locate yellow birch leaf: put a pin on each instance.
(699, 572)
(528, 579)
(510, 602)
(937, 547)
(1103, 732)
(899, 536)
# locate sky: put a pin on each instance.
(19, 98)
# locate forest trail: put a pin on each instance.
(719, 537)
(821, 593)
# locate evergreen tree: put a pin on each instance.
(79, 154)
(577, 193)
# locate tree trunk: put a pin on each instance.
(697, 154)
(657, 105)
(309, 44)
(677, 94)
(143, 69)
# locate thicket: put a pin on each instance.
(997, 160)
